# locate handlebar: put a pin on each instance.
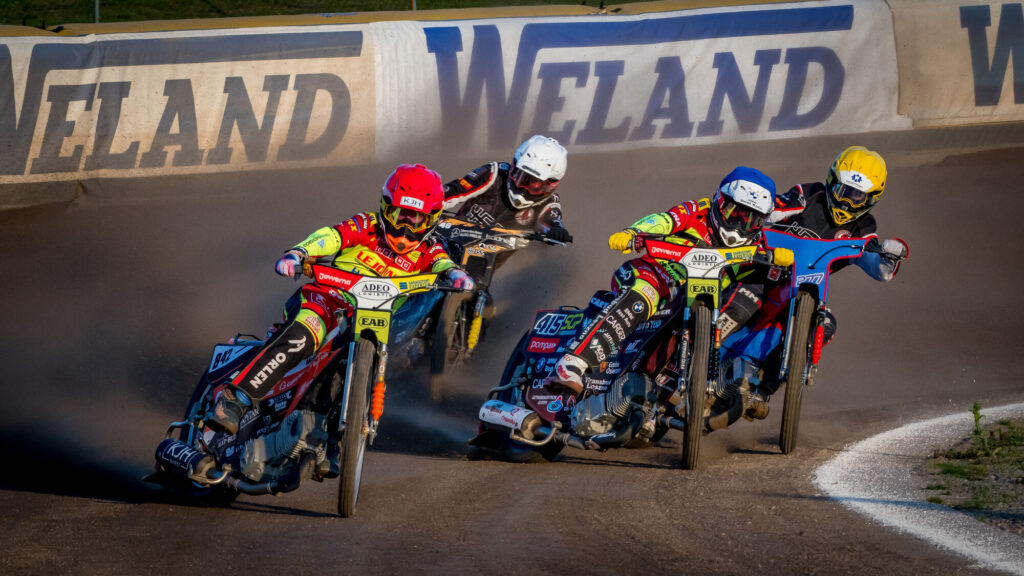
(763, 257)
(497, 231)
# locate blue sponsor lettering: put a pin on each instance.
(17, 130)
(989, 75)
(506, 107)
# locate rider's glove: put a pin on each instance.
(289, 265)
(622, 241)
(559, 234)
(460, 280)
(895, 249)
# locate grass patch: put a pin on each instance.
(983, 473)
(970, 472)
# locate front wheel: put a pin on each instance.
(357, 427)
(449, 344)
(697, 386)
(799, 352)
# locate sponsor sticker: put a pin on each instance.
(543, 345)
(411, 202)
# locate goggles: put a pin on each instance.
(416, 222)
(738, 217)
(851, 197)
(532, 185)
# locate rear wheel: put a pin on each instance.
(799, 352)
(357, 427)
(697, 387)
(449, 344)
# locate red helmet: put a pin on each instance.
(410, 205)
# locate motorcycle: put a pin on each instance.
(659, 379)
(799, 306)
(332, 401)
(479, 251)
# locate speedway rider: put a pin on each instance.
(838, 208)
(391, 242)
(733, 217)
(516, 195)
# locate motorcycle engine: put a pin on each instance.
(269, 457)
(599, 414)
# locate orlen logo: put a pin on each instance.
(543, 345)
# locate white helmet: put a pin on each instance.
(537, 168)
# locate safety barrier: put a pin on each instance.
(136, 99)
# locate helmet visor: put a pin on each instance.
(532, 185)
(850, 197)
(738, 217)
(416, 222)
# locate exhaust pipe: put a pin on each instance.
(525, 421)
(179, 459)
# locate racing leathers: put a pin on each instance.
(357, 245)
(641, 286)
(480, 198)
(802, 211)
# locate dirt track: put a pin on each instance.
(112, 303)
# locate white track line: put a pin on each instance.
(873, 478)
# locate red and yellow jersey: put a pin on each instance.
(686, 221)
(359, 246)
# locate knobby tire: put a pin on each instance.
(697, 387)
(449, 342)
(799, 352)
(357, 421)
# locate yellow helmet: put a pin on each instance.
(855, 182)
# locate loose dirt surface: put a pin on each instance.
(982, 475)
(111, 305)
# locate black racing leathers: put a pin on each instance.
(481, 197)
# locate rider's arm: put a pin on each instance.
(881, 267)
(788, 204)
(458, 192)
(676, 219)
(550, 215)
(330, 240)
(437, 258)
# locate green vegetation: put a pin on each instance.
(49, 13)
(984, 473)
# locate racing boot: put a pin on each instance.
(228, 409)
(756, 406)
(284, 351)
(755, 402)
(568, 373)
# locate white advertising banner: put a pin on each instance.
(668, 79)
(184, 102)
(219, 100)
(960, 62)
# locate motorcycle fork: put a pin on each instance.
(379, 387)
(347, 387)
(683, 362)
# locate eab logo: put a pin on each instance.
(377, 323)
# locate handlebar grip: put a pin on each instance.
(782, 257)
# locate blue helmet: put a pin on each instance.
(743, 200)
